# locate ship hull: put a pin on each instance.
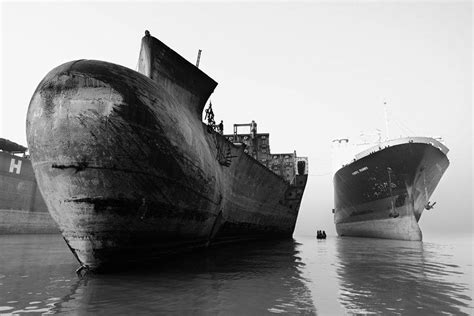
(384, 193)
(130, 173)
(402, 228)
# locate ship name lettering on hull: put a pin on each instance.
(359, 171)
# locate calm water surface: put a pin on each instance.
(335, 276)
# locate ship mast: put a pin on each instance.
(198, 58)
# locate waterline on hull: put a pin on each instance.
(401, 228)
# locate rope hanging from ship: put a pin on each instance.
(223, 152)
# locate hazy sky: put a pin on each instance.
(306, 72)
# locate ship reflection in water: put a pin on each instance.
(378, 276)
(335, 276)
(260, 278)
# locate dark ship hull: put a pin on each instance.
(22, 208)
(129, 171)
(384, 192)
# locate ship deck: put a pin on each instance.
(399, 141)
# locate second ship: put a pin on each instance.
(130, 173)
(22, 208)
(383, 192)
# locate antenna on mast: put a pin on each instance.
(386, 120)
(198, 58)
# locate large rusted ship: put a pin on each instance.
(22, 209)
(385, 189)
(130, 172)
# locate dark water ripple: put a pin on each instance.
(303, 276)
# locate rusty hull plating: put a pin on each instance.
(129, 172)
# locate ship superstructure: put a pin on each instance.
(257, 145)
